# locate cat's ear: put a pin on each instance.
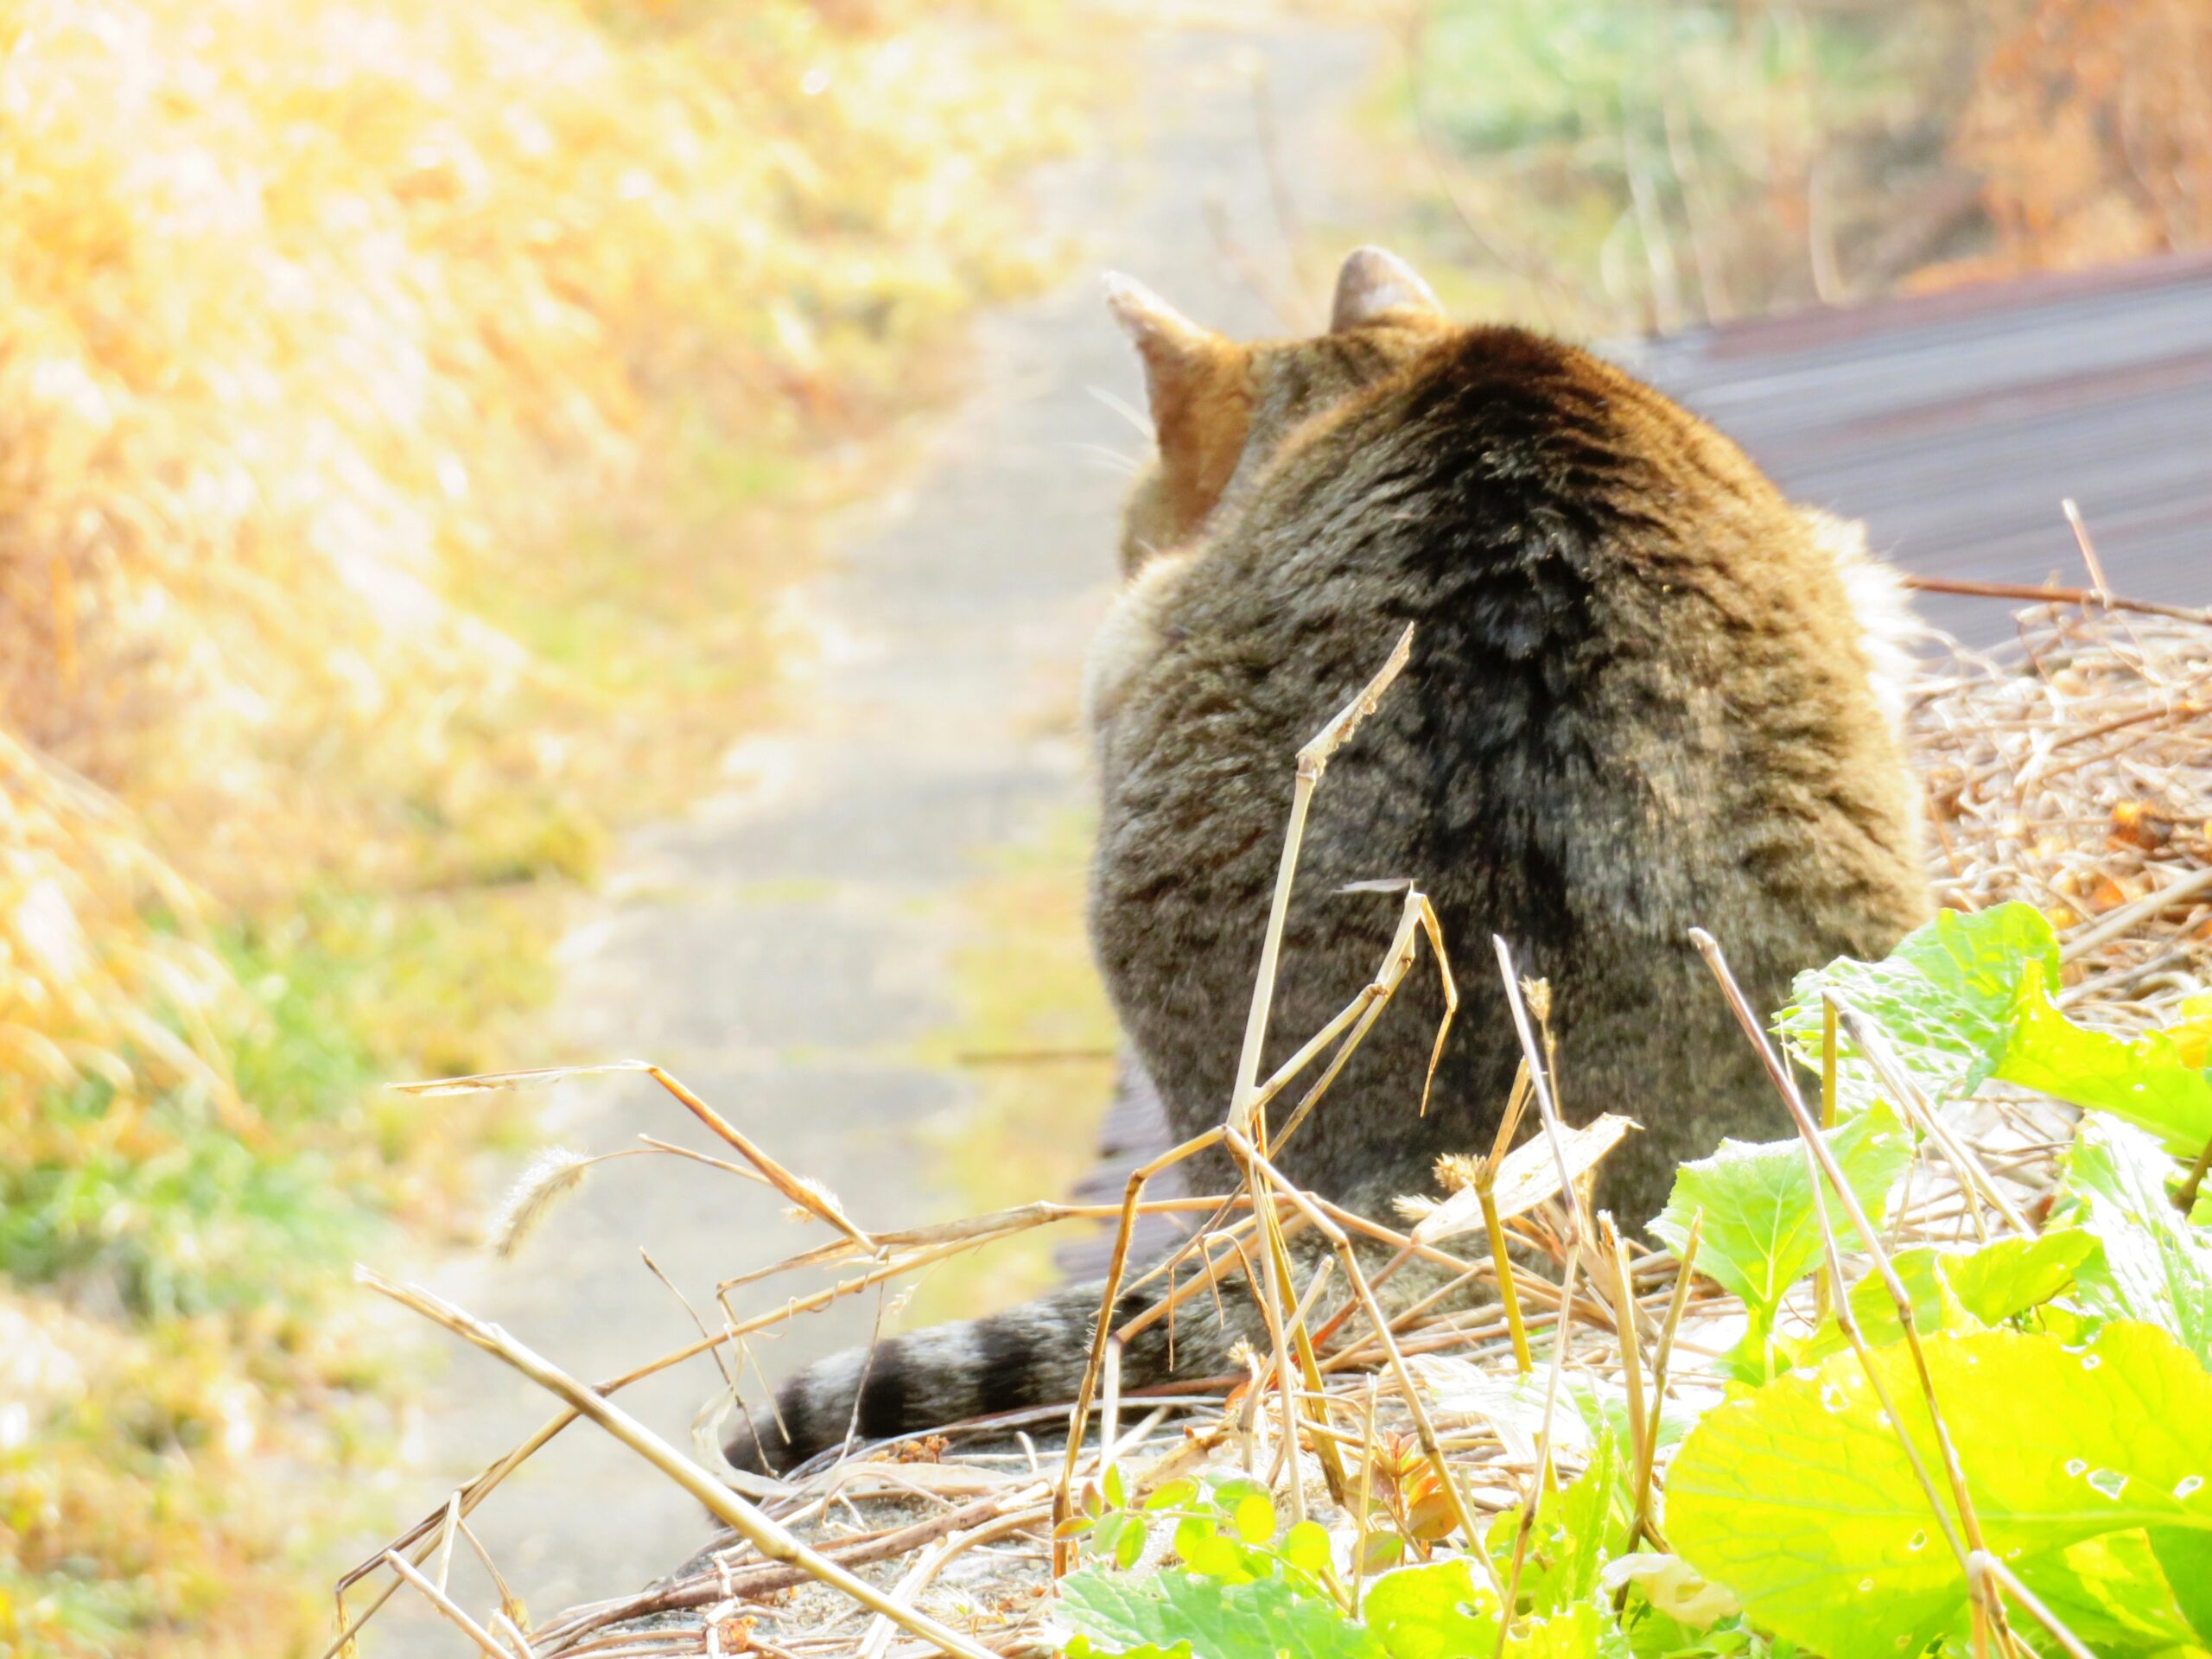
(1200, 387)
(1373, 281)
(1178, 355)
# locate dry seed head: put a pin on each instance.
(550, 1177)
(1456, 1171)
(1539, 994)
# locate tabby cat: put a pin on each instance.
(1645, 693)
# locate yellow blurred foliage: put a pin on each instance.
(297, 298)
(372, 373)
(85, 981)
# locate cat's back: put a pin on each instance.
(1612, 605)
(1639, 699)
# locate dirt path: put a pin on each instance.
(786, 947)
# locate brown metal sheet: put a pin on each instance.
(1955, 424)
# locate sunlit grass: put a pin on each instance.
(408, 416)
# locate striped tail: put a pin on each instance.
(1032, 1355)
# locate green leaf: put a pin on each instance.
(2112, 1593)
(1576, 1632)
(1799, 1497)
(1574, 1523)
(1437, 1611)
(1935, 1306)
(1944, 997)
(2186, 1558)
(2144, 1079)
(1760, 1233)
(1306, 1547)
(1968, 997)
(2003, 1280)
(1384, 1550)
(1173, 1496)
(1254, 1518)
(1113, 1534)
(1219, 1621)
(1083, 1647)
(1953, 1289)
(1603, 1405)
(1128, 1548)
(1215, 1557)
(2155, 1265)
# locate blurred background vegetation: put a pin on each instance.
(1636, 164)
(410, 415)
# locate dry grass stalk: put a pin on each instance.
(1249, 1099)
(770, 1539)
(1966, 1538)
(2073, 769)
(1969, 720)
(810, 1196)
(1508, 1593)
(435, 1595)
(1641, 1448)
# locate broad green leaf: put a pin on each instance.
(2004, 1278)
(1760, 1233)
(2187, 1559)
(1955, 1289)
(1219, 1621)
(2145, 1079)
(2155, 1265)
(2112, 1593)
(1444, 1611)
(1799, 1497)
(1439, 1612)
(1968, 997)
(1083, 1647)
(1934, 1307)
(1944, 997)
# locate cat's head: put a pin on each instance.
(1221, 409)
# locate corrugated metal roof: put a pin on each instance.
(1953, 423)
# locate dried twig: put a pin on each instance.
(765, 1536)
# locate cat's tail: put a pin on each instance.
(1029, 1356)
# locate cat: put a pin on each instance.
(1645, 693)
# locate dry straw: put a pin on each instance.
(2074, 770)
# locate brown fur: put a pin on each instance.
(1640, 699)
